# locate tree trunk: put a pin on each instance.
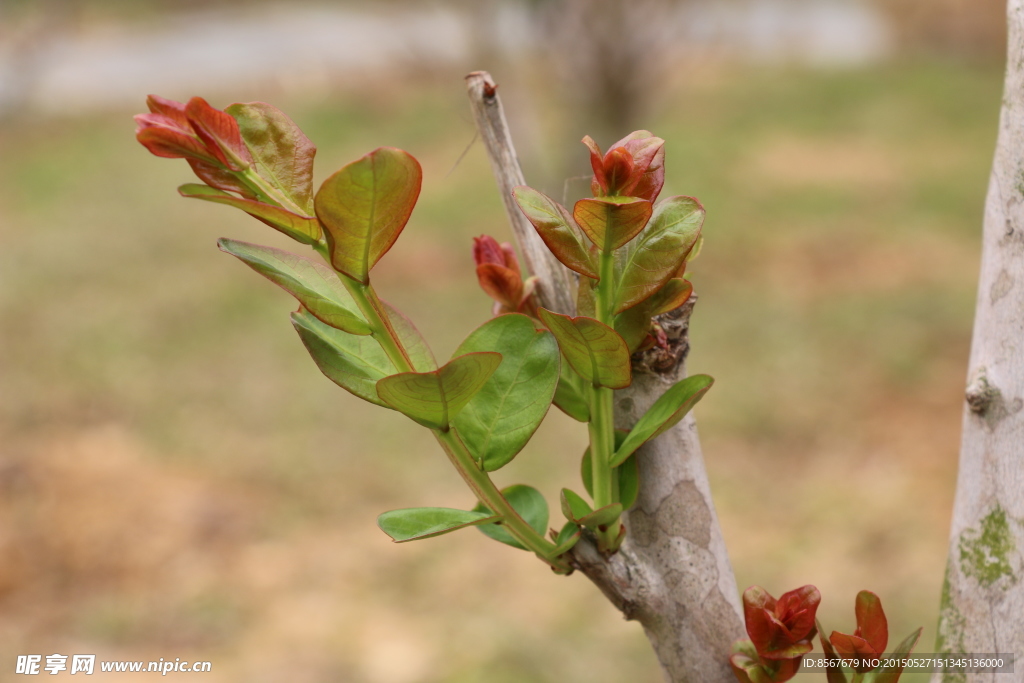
(982, 609)
(672, 574)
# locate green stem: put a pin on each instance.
(602, 422)
(489, 495)
(377, 316)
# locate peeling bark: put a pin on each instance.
(982, 608)
(672, 574)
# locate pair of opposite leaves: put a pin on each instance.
(495, 404)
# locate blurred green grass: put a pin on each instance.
(836, 289)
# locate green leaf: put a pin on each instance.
(415, 345)
(602, 516)
(412, 524)
(891, 672)
(833, 674)
(594, 350)
(434, 399)
(569, 395)
(746, 663)
(317, 287)
(355, 363)
(610, 222)
(661, 249)
(365, 206)
(300, 228)
(283, 155)
(502, 417)
(557, 228)
(573, 506)
(671, 296)
(530, 505)
(567, 538)
(632, 325)
(669, 409)
(629, 482)
(586, 301)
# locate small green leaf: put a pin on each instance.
(413, 524)
(415, 345)
(316, 287)
(586, 302)
(671, 296)
(602, 516)
(669, 409)
(611, 222)
(301, 228)
(661, 249)
(557, 228)
(355, 363)
(746, 663)
(500, 419)
(365, 206)
(573, 506)
(530, 505)
(633, 325)
(283, 155)
(567, 538)
(434, 399)
(891, 672)
(569, 394)
(594, 350)
(629, 482)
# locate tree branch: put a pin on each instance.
(556, 285)
(982, 607)
(672, 574)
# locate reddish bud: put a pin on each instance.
(166, 137)
(634, 167)
(783, 628)
(208, 138)
(497, 270)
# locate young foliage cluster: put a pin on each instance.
(484, 404)
(782, 631)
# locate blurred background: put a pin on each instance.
(178, 480)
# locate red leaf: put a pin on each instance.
(169, 108)
(502, 284)
(600, 181)
(162, 136)
(220, 178)
(872, 625)
(853, 646)
(796, 609)
(618, 170)
(648, 154)
(781, 629)
(784, 669)
(511, 262)
(219, 132)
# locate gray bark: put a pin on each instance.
(982, 609)
(672, 574)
